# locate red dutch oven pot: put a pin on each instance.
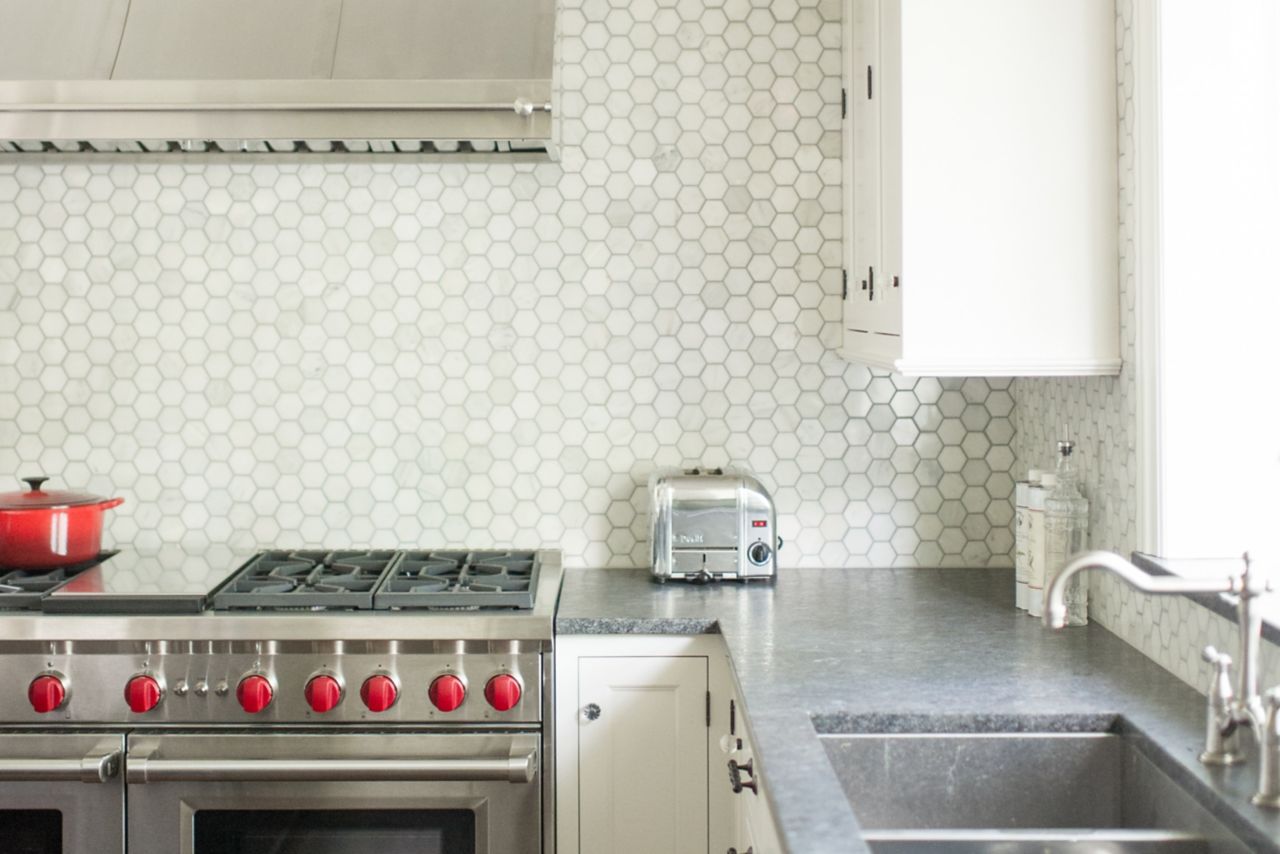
(40, 529)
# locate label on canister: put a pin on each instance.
(1021, 554)
(1036, 550)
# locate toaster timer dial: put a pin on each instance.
(759, 553)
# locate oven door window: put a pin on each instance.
(335, 832)
(31, 831)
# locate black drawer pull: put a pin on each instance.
(735, 777)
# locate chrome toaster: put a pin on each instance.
(711, 524)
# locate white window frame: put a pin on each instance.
(1154, 474)
(1147, 272)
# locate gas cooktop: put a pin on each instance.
(280, 580)
(308, 578)
(460, 580)
(22, 589)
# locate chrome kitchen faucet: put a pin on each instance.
(1231, 707)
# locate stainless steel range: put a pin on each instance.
(285, 701)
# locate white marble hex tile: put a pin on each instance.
(421, 354)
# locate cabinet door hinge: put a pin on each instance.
(708, 710)
(844, 103)
(844, 287)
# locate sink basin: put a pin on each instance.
(1012, 793)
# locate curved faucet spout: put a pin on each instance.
(1230, 709)
(1055, 606)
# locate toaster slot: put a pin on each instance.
(712, 561)
(722, 562)
(687, 563)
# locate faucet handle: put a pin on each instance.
(1221, 739)
(1271, 709)
(1220, 660)
(1268, 794)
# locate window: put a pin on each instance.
(1209, 278)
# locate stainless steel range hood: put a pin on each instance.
(385, 76)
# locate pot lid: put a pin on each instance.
(35, 497)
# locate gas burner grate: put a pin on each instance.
(454, 580)
(306, 580)
(23, 589)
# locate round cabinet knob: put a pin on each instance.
(447, 692)
(142, 693)
(254, 693)
(758, 553)
(47, 693)
(503, 692)
(323, 694)
(379, 693)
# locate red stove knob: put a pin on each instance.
(447, 692)
(47, 693)
(323, 694)
(503, 692)
(142, 693)
(254, 693)
(379, 693)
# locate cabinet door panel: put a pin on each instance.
(861, 310)
(642, 763)
(889, 96)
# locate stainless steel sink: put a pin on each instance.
(1012, 793)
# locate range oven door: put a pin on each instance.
(327, 793)
(61, 793)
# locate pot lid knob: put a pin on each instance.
(34, 482)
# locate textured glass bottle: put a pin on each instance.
(1066, 531)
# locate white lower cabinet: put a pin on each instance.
(646, 726)
(631, 746)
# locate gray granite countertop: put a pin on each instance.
(836, 650)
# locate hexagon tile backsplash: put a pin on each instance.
(423, 354)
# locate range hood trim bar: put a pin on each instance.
(208, 107)
(222, 95)
(177, 110)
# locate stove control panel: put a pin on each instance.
(270, 686)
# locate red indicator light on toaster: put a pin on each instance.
(759, 523)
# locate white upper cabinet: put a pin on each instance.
(981, 187)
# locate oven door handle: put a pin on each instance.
(519, 767)
(99, 766)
